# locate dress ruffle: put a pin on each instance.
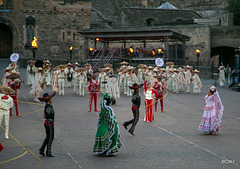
(107, 140)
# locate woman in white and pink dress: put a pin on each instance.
(150, 94)
(213, 112)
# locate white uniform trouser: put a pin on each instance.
(81, 87)
(61, 83)
(5, 114)
(188, 88)
(129, 91)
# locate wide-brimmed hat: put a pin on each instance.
(46, 96)
(135, 86)
(76, 63)
(2, 89)
(13, 75)
(159, 77)
(124, 63)
(40, 69)
(31, 61)
(108, 65)
(94, 75)
(87, 64)
(62, 66)
(188, 67)
(141, 65)
(69, 64)
(80, 69)
(170, 63)
(107, 68)
(196, 71)
(150, 67)
(46, 61)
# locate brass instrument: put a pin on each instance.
(44, 82)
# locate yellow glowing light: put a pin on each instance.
(159, 50)
(131, 50)
(97, 39)
(71, 48)
(34, 42)
(91, 49)
(198, 51)
(153, 52)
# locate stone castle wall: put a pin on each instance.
(55, 27)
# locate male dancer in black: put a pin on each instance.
(136, 102)
(49, 124)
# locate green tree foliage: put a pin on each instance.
(234, 7)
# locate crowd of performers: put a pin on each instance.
(154, 79)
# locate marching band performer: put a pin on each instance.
(75, 81)
(129, 81)
(188, 77)
(159, 86)
(61, 79)
(197, 84)
(93, 89)
(221, 76)
(38, 85)
(113, 89)
(48, 72)
(150, 73)
(175, 81)
(181, 78)
(13, 66)
(149, 95)
(7, 72)
(101, 78)
(69, 75)
(140, 73)
(30, 74)
(6, 103)
(81, 80)
(55, 79)
(89, 71)
(14, 84)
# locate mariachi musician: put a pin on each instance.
(15, 84)
(93, 88)
(69, 73)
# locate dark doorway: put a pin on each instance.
(6, 41)
(226, 55)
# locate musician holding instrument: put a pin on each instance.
(15, 84)
(69, 73)
(38, 85)
(30, 74)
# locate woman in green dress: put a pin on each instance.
(107, 140)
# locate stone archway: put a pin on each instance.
(8, 38)
(226, 55)
(6, 41)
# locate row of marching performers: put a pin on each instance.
(69, 75)
(176, 80)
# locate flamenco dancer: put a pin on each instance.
(136, 102)
(213, 112)
(149, 95)
(107, 140)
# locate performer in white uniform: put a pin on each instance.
(61, 79)
(188, 77)
(181, 78)
(38, 85)
(221, 76)
(113, 89)
(30, 74)
(6, 103)
(69, 75)
(197, 84)
(81, 80)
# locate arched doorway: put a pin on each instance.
(226, 55)
(6, 41)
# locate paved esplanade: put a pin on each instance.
(172, 141)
